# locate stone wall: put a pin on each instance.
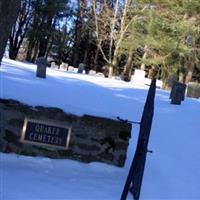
(92, 138)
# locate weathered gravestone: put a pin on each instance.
(41, 67)
(81, 67)
(177, 93)
(171, 80)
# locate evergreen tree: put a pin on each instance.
(9, 11)
(47, 16)
(20, 28)
(162, 32)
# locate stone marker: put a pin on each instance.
(99, 74)
(53, 65)
(177, 93)
(81, 67)
(138, 77)
(71, 69)
(193, 90)
(92, 72)
(41, 67)
(64, 66)
(171, 80)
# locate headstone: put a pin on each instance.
(177, 93)
(64, 66)
(139, 77)
(53, 65)
(92, 72)
(41, 67)
(81, 67)
(71, 69)
(171, 79)
(99, 74)
(193, 90)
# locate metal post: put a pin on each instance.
(134, 179)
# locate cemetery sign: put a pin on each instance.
(45, 133)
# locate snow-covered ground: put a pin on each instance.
(172, 171)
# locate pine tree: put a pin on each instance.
(9, 11)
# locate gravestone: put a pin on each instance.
(171, 80)
(99, 74)
(71, 69)
(41, 67)
(138, 77)
(53, 65)
(193, 90)
(81, 67)
(64, 66)
(92, 72)
(177, 93)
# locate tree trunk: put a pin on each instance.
(43, 47)
(189, 74)
(128, 67)
(85, 56)
(33, 37)
(44, 41)
(30, 48)
(13, 53)
(113, 65)
(142, 67)
(35, 52)
(78, 31)
(181, 77)
(9, 11)
(96, 58)
(49, 48)
(110, 71)
(120, 38)
(18, 33)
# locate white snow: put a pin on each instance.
(172, 171)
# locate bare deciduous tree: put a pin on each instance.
(111, 26)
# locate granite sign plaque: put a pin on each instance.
(45, 133)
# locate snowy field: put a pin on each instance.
(172, 171)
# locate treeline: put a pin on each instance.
(112, 36)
